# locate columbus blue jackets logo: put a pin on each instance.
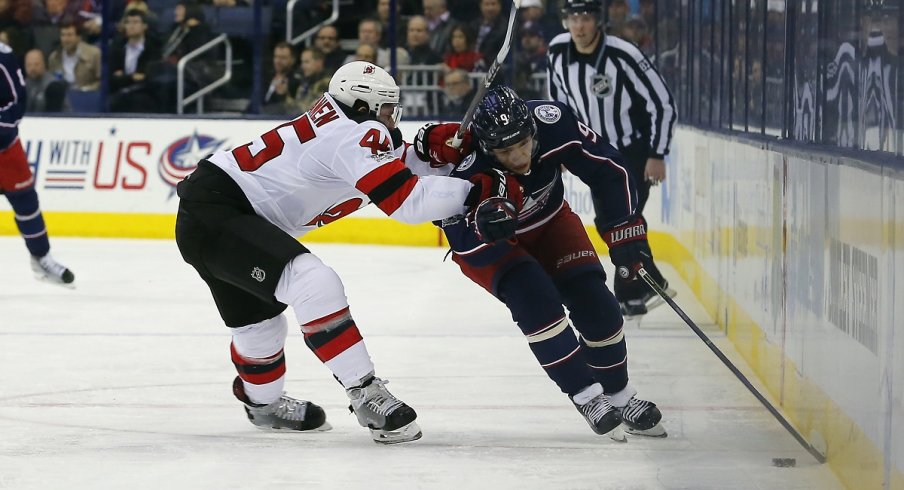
(181, 157)
(467, 162)
(548, 113)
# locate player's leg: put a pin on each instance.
(527, 290)
(258, 326)
(594, 311)
(17, 184)
(317, 295)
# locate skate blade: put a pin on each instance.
(406, 433)
(617, 435)
(657, 431)
(56, 282)
(323, 428)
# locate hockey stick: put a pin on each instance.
(488, 79)
(775, 413)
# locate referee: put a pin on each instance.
(615, 90)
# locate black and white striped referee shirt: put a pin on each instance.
(615, 90)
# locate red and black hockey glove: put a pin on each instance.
(628, 246)
(433, 144)
(494, 203)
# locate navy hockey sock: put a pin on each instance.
(595, 313)
(30, 221)
(535, 305)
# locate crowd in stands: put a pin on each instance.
(452, 41)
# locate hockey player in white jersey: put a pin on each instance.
(242, 209)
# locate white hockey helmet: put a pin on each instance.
(368, 83)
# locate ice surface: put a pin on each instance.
(125, 382)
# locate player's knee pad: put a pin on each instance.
(312, 289)
(261, 340)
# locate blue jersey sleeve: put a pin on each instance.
(12, 96)
(593, 160)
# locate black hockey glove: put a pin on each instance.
(628, 246)
(494, 220)
(495, 201)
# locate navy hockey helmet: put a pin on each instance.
(502, 119)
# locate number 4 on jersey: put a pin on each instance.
(372, 140)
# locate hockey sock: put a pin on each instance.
(257, 353)
(263, 378)
(317, 295)
(595, 313)
(534, 302)
(30, 221)
(336, 341)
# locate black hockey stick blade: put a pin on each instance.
(487, 80)
(820, 458)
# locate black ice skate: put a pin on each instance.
(637, 307)
(286, 413)
(598, 412)
(639, 417)
(49, 270)
(389, 419)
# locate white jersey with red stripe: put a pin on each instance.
(323, 166)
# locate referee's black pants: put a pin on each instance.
(635, 157)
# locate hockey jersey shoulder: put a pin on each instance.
(472, 164)
(556, 124)
(625, 46)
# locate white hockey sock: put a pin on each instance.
(588, 393)
(265, 394)
(622, 398)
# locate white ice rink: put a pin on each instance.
(125, 383)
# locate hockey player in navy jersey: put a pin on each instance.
(551, 265)
(16, 180)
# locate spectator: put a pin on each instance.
(76, 61)
(45, 93)
(15, 21)
(314, 81)
(439, 22)
(636, 31)
(190, 32)
(279, 95)
(51, 12)
(458, 92)
(150, 18)
(532, 16)
(383, 18)
(366, 52)
(490, 28)
(369, 33)
(529, 60)
(327, 41)
(462, 53)
(130, 55)
(618, 15)
(418, 41)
